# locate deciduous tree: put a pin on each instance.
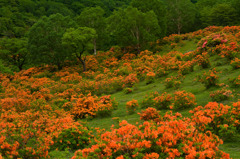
(181, 15)
(131, 27)
(158, 7)
(80, 42)
(94, 18)
(45, 40)
(14, 51)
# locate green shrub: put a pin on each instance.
(148, 100)
(72, 139)
(127, 90)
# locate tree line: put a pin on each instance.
(36, 32)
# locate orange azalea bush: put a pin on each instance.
(148, 100)
(172, 82)
(203, 60)
(130, 80)
(235, 81)
(131, 106)
(163, 101)
(172, 138)
(150, 77)
(183, 99)
(90, 106)
(230, 51)
(186, 67)
(31, 134)
(150, 114)
(209, 78)
(235, 63)
(222, 120)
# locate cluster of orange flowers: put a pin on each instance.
(131, 106)
(221, 119)
(209, 78)
(235, 63)
(183, 99)
(170, 137)
(90, 106)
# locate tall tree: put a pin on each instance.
(223, 14)
(181, 15)
(14, 52)
(236, 5)
(45, 40)
(80, 42)
(131, 27)
(158, 7)
(94, 18)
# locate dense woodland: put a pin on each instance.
(37, 32)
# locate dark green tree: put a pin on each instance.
(94, 18)
(45, 40)
(80, 42)
(181, 16)
(131, 27)
(14, 52)
(158, 7)
(4, 69)
(236, 5)
(223, 14)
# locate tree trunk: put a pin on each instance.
(59, 66)
(95, 47)
(83, 64)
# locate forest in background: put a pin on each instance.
(37, 32)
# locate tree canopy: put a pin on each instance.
(132, 27)
(80, 42)
(124, 23)
(45, 40)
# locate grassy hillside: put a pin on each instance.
(54, 113)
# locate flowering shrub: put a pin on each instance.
(172, 138)
(106, 106)
(142, 71)
(148, 100)
(160, 72)
(131, 106)
(90, 106)
(230, 51)
(235, 81)
(212, 40)
(186, 67)
(183, 99)
(172, 82)
(130, 80)
(127, 90)
(72, 139)
(31, 134)
(221, 95)
(209, 78)
(150, 114)
(235, 63)
(150, 77)
(163, 101)
(203, 60)
(128, 57)
(222, 120)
